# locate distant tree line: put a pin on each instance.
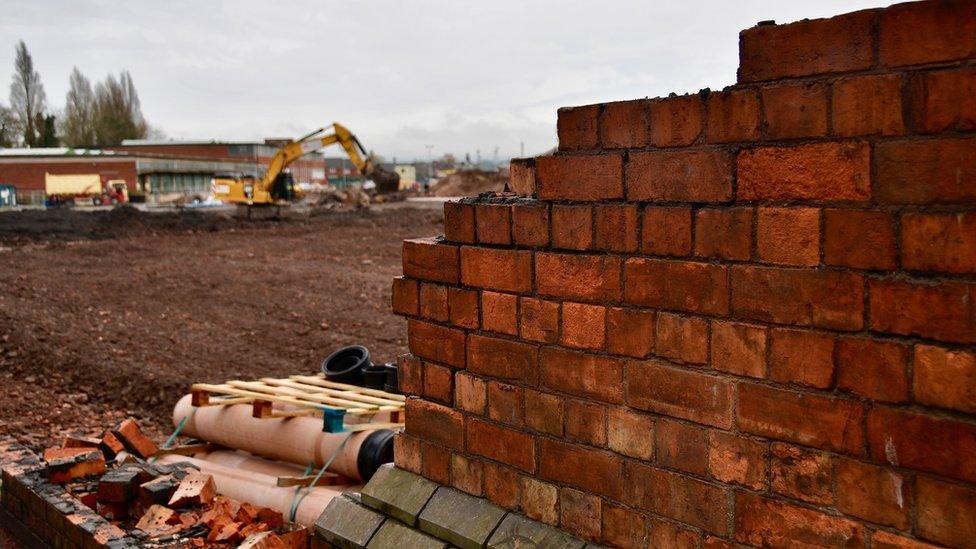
(92, 117)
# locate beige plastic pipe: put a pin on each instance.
(261, 490)
(246, 462)
(297, 440)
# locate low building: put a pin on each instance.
(154, 171)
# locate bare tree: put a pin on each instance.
(26, 95)
(8, 127)
(78, 121)
(118, 115)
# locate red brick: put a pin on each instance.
(859, 238)
(406, 299)
(616, 227)
(501, 485)
(586, 422)
(789, 236)
(943, 310)
(521, 178)
(505, 403)
(676, 121)
(433, 422)
(510, 447)
(802, 357)
(630, 332)
(580, 514)
(944, 101)
(908, 439)
(681, 176)
(681, 339)
(544, 412)
(677, 497)
(873, 369)
(818, 46)
(436, 343)
(819, 171)
(504, 359)
(624, 125)
(623, 527)
(581, 178)
(733, 115)
(410, 373)
(426, 259)
(945, 512)
(767, 523)
(945, 378)
(723, 233)
(939, 242)
(577, 127)
(630, 433)
(494, 223)
(682, 286)
(459, 222)
(666, 231)
(587, 468)
(539, 320)
(737, 460)
(464, 311)
(438, 383)
(948, 28)
(827, 299)
(810, 420)
(436, 463)
(795, 110)
(406, 451)
(467, 475)
(572, 227)
(886, 540)
(530, 224)
(503, 270)
(681, 446)
(578, 277)
(433, 302)
(668, 535)
(584, 326)
(739, 349)
(540, 500)
(499, 312)
(930, 171)
(471, 393)
(872, 493)
(800, 474)
(868, 105)
(679, 393)
(582, 375)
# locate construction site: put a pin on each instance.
(729, 318)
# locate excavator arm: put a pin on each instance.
(385, 180)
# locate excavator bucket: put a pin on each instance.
(386, 181)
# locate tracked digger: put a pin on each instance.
(276, 186)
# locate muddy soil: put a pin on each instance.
(102, 319)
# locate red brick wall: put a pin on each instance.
(28, 174)
(737, 317)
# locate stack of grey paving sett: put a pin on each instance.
(400, 509)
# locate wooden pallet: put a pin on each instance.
(303, 395)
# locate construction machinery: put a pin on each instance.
(276, 186)
(68, 190)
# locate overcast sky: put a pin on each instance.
(455, 74)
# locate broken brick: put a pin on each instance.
(135, 441)
(118, 486)
(113, 511)
(262, 540)
(158, 491)
(158, 521)
(111, 445)
(195, 489)
(67, 464)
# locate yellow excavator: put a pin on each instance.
(276, 187)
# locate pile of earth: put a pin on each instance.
(469, 183)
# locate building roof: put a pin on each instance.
(53, 151)
(164, 142)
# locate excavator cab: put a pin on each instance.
(283, 187)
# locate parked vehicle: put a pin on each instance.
(70, 190)
(8, 195)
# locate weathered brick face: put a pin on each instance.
(732, 318)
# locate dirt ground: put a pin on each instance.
(111, 314)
